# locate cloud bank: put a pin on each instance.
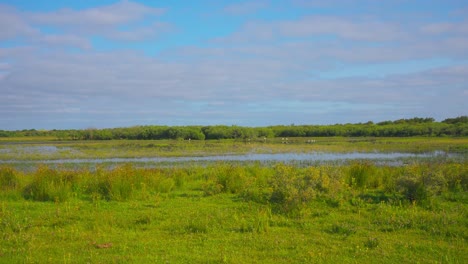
(309, 68)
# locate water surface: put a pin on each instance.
(253, 157)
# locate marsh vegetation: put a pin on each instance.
(412, 209)
(237, 213)
(43, 149)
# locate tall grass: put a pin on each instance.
(50, 185)
(358, 212)
(8, 178)
(287, 188)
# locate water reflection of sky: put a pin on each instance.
(272, 157)
(43, 149)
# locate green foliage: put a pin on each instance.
(359, 175)
(291, 190)
(250, 213)
(456, 176)
(287, 188)
(344, 229)
(418, 183)
(166, 185)
(371, 242)
(353, 212)
(413, 189)
(456, 120)
(259, 223)
(399, 128)
(197, 225)
(49, 185)
(226, 178)
(8, 178)
(258, 188)
(211, 188)
(116, 184)
(125, 182)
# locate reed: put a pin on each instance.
(223, 212)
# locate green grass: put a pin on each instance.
(227, 213)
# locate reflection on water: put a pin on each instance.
(277, 157)
(41, 149)
(32, 149)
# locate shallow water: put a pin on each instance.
(42, 149)
(276, 157)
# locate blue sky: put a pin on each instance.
(82, 64)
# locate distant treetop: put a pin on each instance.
(456, 120)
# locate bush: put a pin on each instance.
(412, 189)
(49, 185)
(418, 182)
(362, 175)
(114, 185)
(211, 188)
(8, 178)
(231, 178)
(290, 189)
(456, 176)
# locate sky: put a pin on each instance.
(103, 64)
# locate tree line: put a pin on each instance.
(399, 128)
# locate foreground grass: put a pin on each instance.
(356, 213)
(220, 230)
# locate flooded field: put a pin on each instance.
(272, 157)
(356, 195)
(156, 153)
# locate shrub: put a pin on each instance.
(211, 187)
(317, 178)
(456, 175)
(8, 178)
(290, 190)
(115, 184)
(231, 178)
(420, 181)
(235, 180)
(411, 184)
(257, 186)
(362, 175)
(49, 185)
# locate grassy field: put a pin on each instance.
(225, 213)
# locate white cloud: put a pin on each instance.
(244, 8)
(122, 21)
(130, 75)
(266, 68)
(446, 28)
(139, 33)
(122, 12)
(365, 29)
(354, 29)
(12, 24)
(65, 40)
